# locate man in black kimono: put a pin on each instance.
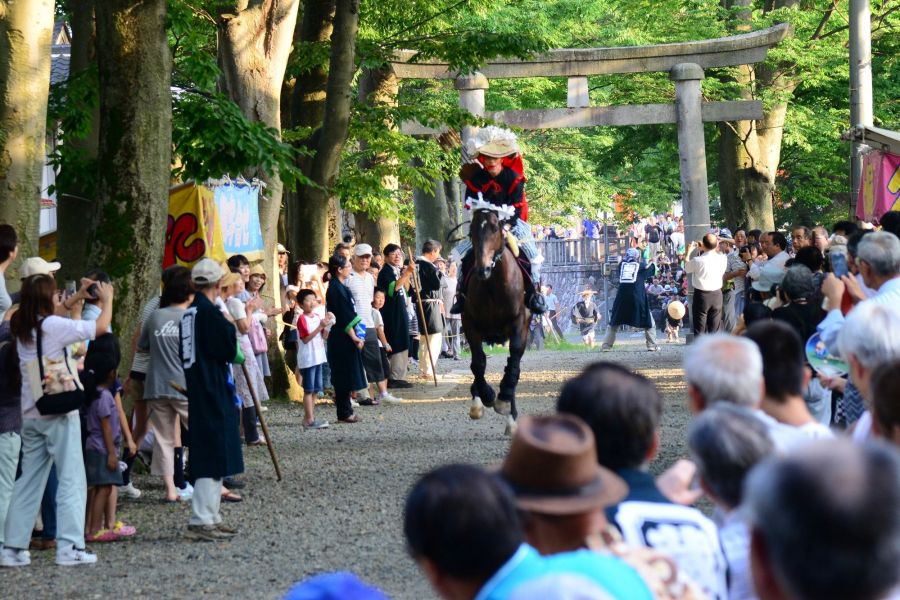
(631, 306)
(432, 299)
(208, 346)
(393, 278)
(585, 315)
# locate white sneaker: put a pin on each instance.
(129, 491)
(187, 493)
(391, 399)
(354, 403)
(70, 556)
(10, 557)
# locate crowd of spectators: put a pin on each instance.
(199, 375)
(786, 493)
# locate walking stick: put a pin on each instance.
(262, 422)
(552, 328)
(418, 288)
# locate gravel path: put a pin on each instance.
(340, 505)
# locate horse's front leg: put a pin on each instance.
(482, 393)
(506, 401)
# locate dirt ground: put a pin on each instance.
(340, 504)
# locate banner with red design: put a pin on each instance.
(193, 230)
(879, 190)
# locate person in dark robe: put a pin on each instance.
(344, 344)
(631, 306)
(496, 178)
(432, 297)
(208, 346)
(394, 278)
(585, 315)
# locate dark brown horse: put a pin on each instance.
(494, 313)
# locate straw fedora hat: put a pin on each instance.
(552, 468)
(676, 309)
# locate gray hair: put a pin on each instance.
(798, 282)
(828, 515)
(881, 251)
(871, 333)
(726, 441)
(725, 368)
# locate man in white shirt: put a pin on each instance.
(362, 286)
(770, 270)
(878, 260)
(707, 271)
(785, 377)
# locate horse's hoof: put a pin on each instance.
(476, 411)
(511, 427)
(502, 407)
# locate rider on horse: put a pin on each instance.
(496, 177)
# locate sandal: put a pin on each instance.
(231, 497)
(102, 535)
(350, 419)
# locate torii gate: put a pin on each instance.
(683, 61)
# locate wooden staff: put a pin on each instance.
(418, 288)
(262, 420)
(552, 328)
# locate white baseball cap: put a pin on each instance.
(38, 266)
(207, 271)
(362, 250)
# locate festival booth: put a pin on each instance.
(215, 220)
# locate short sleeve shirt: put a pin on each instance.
(58, 333)
(160, 336)
(142, 359)
(104, 406)
(362, 286)
(312, 353)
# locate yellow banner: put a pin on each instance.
(192, 231)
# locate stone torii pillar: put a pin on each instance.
(471, 98)
(691, 149)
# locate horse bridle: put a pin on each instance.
(498, 253)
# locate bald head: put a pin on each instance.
(710, 241)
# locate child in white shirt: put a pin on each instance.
(313, 325)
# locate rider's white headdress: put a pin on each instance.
(492, 141)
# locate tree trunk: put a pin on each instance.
(135, 151)
(311, 226)
(433, 215)
(74, 201)
(749, 151)
(308, 111)
(254, 45)
(378, 87)
(26, 28)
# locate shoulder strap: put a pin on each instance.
(40, 353)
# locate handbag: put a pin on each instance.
(62, 390)
(258, 337)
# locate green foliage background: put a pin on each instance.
(571, 172)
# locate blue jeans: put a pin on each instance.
(312, 378)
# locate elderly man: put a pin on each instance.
(727, 368)
(394, 278)
(825, 523)
(708, 270)
(801, 237)
(768, 269)
(623, 410)
(725, 442)
(870, 337)
(878, 260)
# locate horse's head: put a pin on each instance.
(487, 241)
